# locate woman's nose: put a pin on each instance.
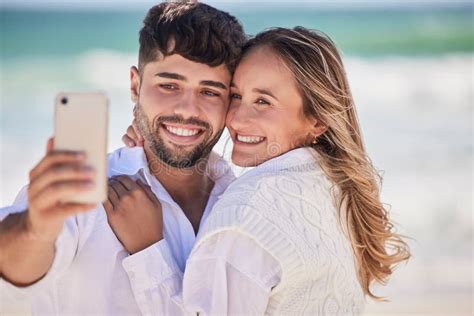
(239, 116)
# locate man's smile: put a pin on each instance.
(182, 134)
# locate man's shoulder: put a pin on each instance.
(126, 160)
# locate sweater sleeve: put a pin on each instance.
(228, 274)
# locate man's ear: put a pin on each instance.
(134, 84)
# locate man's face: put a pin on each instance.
(181, 108)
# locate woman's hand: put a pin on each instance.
(133, 137)
(134, 213)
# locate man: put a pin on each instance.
(69, 258)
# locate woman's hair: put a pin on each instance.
(319, 73)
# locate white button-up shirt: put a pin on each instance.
(87, 276)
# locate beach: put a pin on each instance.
(411, 74)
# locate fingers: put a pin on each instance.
(130, 138)
(128, 183)
(55, 157)
(129, 142)
(139, 136)
(118, 187)
(58, 173)
(133, 136)
(112, 196)
(51, 195)
(148, 191)
(50, 145)
(108, 206)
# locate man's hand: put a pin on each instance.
(134, 213)
(59, 175)
(27, 239)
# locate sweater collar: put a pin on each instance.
(293, 158)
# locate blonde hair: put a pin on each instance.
(317, 67)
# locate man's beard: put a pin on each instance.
(177, 157)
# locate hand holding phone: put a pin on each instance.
(58, 174)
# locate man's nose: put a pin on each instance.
(188, 106)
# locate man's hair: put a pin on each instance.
(196, 31)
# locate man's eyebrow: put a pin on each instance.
(215, 84)
(264, 91)
(171, 75)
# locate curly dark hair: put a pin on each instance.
(193, 30)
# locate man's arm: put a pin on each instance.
(27, 239)
(17, 243)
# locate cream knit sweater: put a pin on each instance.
(287, 206)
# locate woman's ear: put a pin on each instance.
(317, 129)
(134, 84)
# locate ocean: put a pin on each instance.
(411, 73)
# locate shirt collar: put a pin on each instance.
(127, 161)
(130, 161)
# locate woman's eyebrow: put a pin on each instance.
(266, 92)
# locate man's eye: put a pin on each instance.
(210, 93)
(168, 86)
(235, 96)
(262, 102)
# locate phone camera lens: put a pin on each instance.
(63, 100)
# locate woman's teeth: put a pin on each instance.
(249, 139)
(182, 131)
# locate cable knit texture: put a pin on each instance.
(288, 206)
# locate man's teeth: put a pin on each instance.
(181, 131)
(249, 139)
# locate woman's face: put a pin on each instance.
(265, 117)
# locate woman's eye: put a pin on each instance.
(262, 102)
(235, 96)
(210, 93)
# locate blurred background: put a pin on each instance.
(410, 66)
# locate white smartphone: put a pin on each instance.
(81, 124)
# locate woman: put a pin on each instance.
(305, 231)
